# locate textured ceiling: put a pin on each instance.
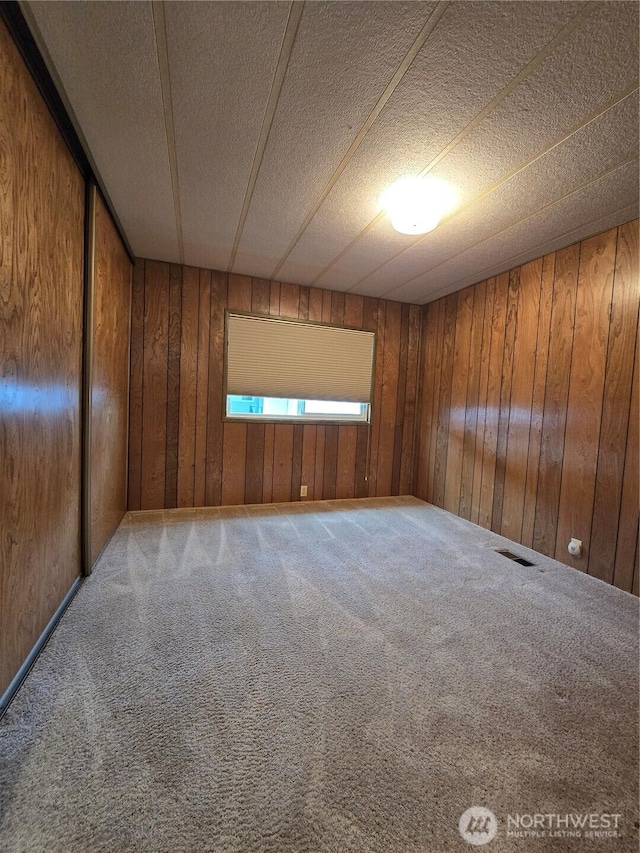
(258, 137)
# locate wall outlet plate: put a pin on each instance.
(303, 491)
(575, 548)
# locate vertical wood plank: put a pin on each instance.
(346, 461)
(376, 405)
(411, 379)
(260, 295)
(337, 309)
(616, 405)
(361, 484)
(457, 406)
(309, 460)
(471, 405)
(555, 400)
(627, 542)
(289, 300)
(296, 463)
(318, 477)
(315, 304)
(254, 468)
(188, 381)
(303, 310)
(216, 404)
(274, 299)
(586, 386)
(353, 310)
(537, 401)
(440, 368)
(444, 398)
(518, 433)
(234, 455)
(326, 306)
(330, 462)
(154, 404)
(505, 400)
(135, 386)
(494, 392)
(282, 462)
(387, 427)
(267, 471)
(240, 291)
(400, 398)
(234, 433)
(173, 385)
(202, 388)
(428, 372)
(483, 384)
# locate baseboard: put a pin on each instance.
(21, 674)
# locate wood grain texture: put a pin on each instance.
(154, 391)
(41, 304)
(216, 462)
(457, 405)
(471, 405)
(556, 395)
(173, 385)
(135, 387)
(555, 410)
(586, 388)
(616, 406)
(537, 402)
(188, 378)
(109, 381)
(519, 429)
(505, 400)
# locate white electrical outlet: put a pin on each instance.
(303, 491)
(575, 548)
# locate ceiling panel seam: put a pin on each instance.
(432, 21)
(159, 26)
(533, 253)
(535, 213)
(291, 29)
(578, 19)
(585, 122)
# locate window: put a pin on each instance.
(279, 369)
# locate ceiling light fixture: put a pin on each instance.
(416, 205)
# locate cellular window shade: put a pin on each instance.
(277, 358)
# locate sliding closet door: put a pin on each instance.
(108, 422)
(41, 304)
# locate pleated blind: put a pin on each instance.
(277, 358)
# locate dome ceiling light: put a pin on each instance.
(416, 205)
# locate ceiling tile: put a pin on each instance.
(222, 58)
(462, 67)
(341, 63)
(105, 56)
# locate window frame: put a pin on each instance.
(246, 418)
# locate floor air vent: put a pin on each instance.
(514, 557)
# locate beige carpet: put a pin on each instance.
(321, 678)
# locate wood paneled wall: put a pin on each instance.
(529, 404)
(41, 304)
(109, 381)
(181, 451)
